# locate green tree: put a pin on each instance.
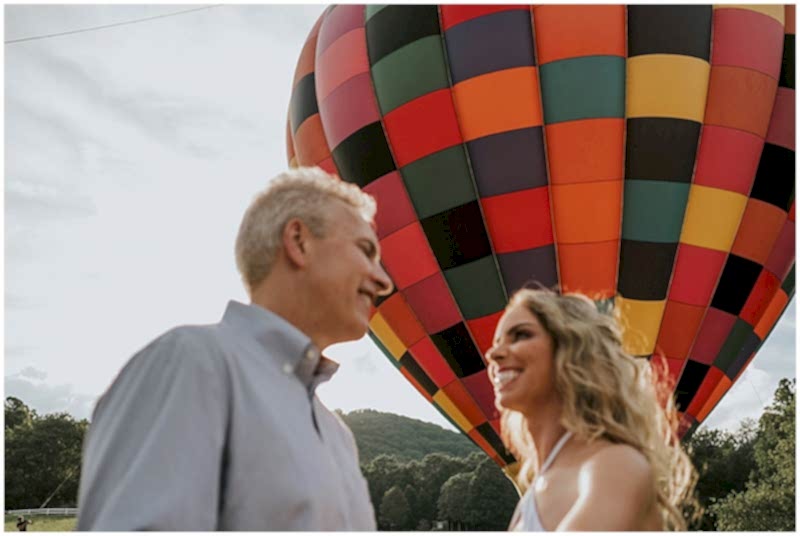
(382, 473)
(43, 461)
(491, 498)
(724, 461)
(394, 511)
(767, 503)
(452, 502)
(434, 470)
(17, 413)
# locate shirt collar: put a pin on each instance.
(292, 348)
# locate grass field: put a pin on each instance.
(43, 523)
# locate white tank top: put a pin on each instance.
(526, 516)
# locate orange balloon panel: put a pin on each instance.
(574, 31)
(585, 151)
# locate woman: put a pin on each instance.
(586, 421)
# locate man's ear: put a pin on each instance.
(296, 242)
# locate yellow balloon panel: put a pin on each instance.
(448, 407)
(667, 85)
(712, 217)
(640, 321)
(388, 338)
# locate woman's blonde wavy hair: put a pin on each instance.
(607, 393)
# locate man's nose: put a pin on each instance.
(383, 281)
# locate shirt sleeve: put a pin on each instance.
(153, 456)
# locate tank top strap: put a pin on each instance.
(556, 449)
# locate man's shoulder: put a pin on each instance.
(189, 347)
(183, 343)
(183, 351)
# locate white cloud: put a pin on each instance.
(48, 398)
(32, 373)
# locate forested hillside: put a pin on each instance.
(405, 438)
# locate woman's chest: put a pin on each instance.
(556, 492)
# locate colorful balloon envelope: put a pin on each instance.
(642, 155)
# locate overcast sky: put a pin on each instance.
(131, 154)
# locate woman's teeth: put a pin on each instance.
(504, 377)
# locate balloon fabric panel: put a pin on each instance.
(343, 59)
(431, 362)
(452, 15)
(363, 154)
(476, 302)
(405, 325)
(714, 329)
(348, 108)
(424, 135)
(413, 368)
(760, 226)
(656, 213)
(571, 31)
(433, 303)
(580, 50)
(530, 267)
(504, 163)
(727, 159)
(435, 112)
(680, 321)
(494, 42)
(741, 99)
(439, 182)
(338, 22)
(394, 206)
(669, 29)
(667, 80)
(610, 150)
(695, 275)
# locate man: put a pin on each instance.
(218, 427)
(22, 524)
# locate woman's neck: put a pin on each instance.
(546, 429)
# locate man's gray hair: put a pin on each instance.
(302, 193)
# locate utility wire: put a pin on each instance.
(34, 38)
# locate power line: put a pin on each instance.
(34, 38)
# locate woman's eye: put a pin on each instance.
(519, 335)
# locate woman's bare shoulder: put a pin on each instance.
(616, 489)
(611, 458)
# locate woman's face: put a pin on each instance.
(521, 362)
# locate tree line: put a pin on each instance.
(422, 477)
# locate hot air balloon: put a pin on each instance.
(642, 155)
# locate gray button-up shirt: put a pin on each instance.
(218, 428)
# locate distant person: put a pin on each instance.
(218, 427)
(597, 449)
(22, 524)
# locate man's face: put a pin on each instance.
(346, 274)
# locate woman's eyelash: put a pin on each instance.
(516, 334)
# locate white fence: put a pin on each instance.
(44, 512)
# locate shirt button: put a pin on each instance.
(288, 368)
(311, 354)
